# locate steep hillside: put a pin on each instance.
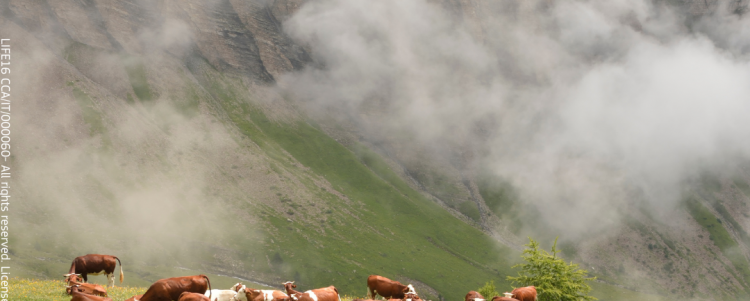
(166, 132)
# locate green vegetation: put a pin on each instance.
(401, 233)
(54, 290)
(470, 209)
(488, 291)
(552, 277)
(138, 80)
(722, 239)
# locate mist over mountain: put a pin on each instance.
(323, 141)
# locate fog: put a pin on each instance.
(586, 107)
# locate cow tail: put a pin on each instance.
(337, 293)
(209, 287)
(122, 276)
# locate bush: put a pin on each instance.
(488, 291)
(552, 277)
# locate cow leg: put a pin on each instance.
(111, 278)
(85, 277)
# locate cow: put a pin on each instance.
(170, 288)
(133, 298)
(498, 298)
(221, 295)
(188, 296)
(387, 288)
(319, 294)
(473, 296)
(94, 264)
(86, 288)
(527, 293)
(250, 294)
(78, 296)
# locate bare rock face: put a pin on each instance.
(233, 36)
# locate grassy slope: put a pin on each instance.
(416, 239)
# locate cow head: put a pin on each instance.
(73, 278)
(290, 283)
(411, 297)
(409, 289)
(508, 295)
(237, 287)
(251, 294)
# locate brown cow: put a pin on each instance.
(498, 298)
(387, 288)
(527, 293)
(473, 296)
(78, 296)
(260, 295)
(319, 294)
(169, 289)
(188, 296)
(86, 288)
(94, 264)
(133, 298)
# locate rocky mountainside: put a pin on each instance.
(219, 137)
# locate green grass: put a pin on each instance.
(54, 290)
(722, 239)
(425, 234)
(137, 75)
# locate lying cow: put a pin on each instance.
(133, 298)
(387, 288)
(94, 264)
(221, 295)
(86, 288)
(78, 296)
(527, 293)
(250, 294)
(170, 289)
(188, 296)
(319, 294)
(473, 296)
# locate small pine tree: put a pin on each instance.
(552, 277)
(488, 291)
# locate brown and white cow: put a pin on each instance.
(319, 294)
(387, 288)
(250, 294)
(473, 296)
(220, 295)
(498, 298)
(94, 264)
(133, 298)
(527, 293)
(78, 296)
(169, 289)
(188, 296)
(86, 288)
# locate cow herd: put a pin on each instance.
(198, 288)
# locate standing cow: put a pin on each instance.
(94, 264)
(527, 293)
(170, 289)
(387, 288)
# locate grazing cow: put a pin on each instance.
(474, 296)
(319, 294)
(387, 288)
(78, 296)
(260, 295)
(169, 289)
(527, 293)
(94, 264)
(221, 295)
(86, 288)
(188, 296)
